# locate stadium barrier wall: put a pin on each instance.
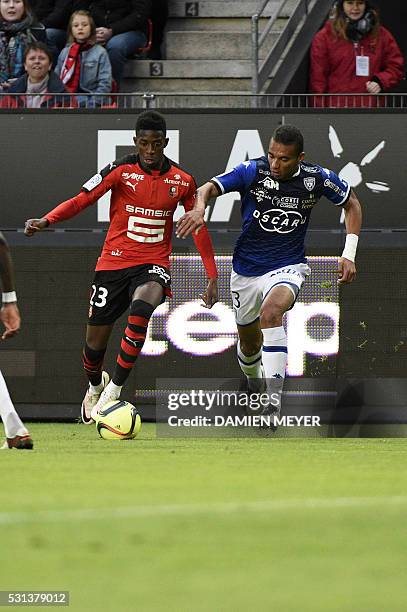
(49, 156)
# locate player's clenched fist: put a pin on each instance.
(35, 225)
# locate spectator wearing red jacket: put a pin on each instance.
(354, 54)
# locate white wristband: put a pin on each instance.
(9, 296)
(351, 243)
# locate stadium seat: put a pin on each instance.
(142, 51)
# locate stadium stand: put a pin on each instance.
(194, 44)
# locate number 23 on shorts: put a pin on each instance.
(98, 296)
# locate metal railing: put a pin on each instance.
(285, 55)
(260, 74)
(234, 102)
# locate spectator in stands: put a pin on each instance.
(54, 15)
(18, 28)
(84, 66)
(39, 85)
(121, 26)
(354, 53)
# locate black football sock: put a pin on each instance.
(92, 364)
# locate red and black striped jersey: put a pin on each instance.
(142, 205)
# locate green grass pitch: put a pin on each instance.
(211, 525)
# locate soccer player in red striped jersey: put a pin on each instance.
(133, 268)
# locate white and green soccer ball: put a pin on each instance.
(118, 420)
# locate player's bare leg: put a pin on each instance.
(145, 300)
(97, 337)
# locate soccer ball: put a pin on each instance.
(118, 420)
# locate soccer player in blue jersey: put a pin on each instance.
(278, 193)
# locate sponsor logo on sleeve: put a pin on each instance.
(310, 169)
(92, 182)
(335, 188)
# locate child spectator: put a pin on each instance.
(121, 26)
(84, 66)
(18, 28)
(39, 85)
(354, 53)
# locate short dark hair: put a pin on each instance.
(38, 46)
(151, 120)
(289, 135)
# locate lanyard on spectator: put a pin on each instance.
(362, 62)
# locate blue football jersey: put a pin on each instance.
(275, 213)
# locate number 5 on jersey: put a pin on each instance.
(154, 234)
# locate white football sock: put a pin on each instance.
(250, 366)
(13, 425)
(96, 389)
(114, 389)
(274, 352)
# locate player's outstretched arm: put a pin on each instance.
(353, 223)
(35, 225)
(91, 191)
(194, 219)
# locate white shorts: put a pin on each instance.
(248, 292)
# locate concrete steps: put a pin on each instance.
(226, 8)
(205, 52)
(199, 45)
(191, 69)
(234, 24)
